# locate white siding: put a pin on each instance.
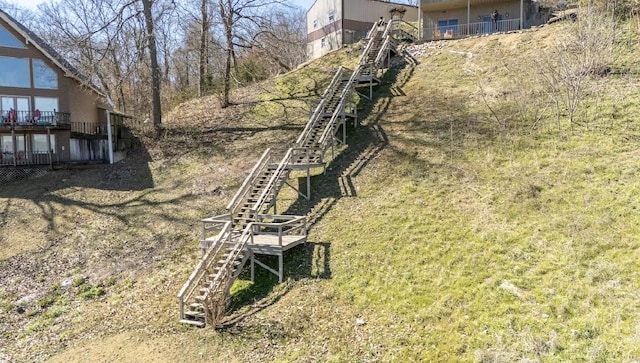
(332, 42)
(370, 11)
(319, 12)
(89, 149)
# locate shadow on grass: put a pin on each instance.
(70, 186)
(313, 259)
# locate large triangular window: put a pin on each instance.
(8, 40)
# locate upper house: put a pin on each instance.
(332, 24)
(448, 19)
(49, 112)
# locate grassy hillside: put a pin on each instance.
(455, 226)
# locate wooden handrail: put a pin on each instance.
(233, 255)
(382, 52)
(314, 117)
(279, 216)
(297, 219)
(340, 106)
(247, 182)
(218, 218)
(329, 127)
(277, 174)
(374, 28)
(216, 221)
(196, 275)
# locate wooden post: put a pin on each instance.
(275, 202)
(280, 267)
(109, 137)
(49, 147)
(344, 128)
(420, 24)
(252, 267)
(355, 115)
(371, 82)
(15, 146)
(308, 183)
(333, 142)
(521, 14)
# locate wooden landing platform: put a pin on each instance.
(303, 165)
(366, 81)
(272, 244)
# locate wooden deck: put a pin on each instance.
(272, 244)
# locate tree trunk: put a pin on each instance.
(155, 69)
(204, 30)
(226, 12)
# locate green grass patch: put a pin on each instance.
(89, 291)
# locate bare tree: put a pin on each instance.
(155, 68)
(282, 38)
(584, 51)
(203, 60)
(239, 19)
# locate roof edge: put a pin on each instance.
(15, 25)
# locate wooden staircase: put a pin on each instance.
(329, 102)
(205, 295)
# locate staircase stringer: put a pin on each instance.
(236, 202)
(217, 296)
(198, 276)
(318, 112)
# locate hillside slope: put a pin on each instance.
(449, 229)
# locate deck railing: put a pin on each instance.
(24, 158)
(465, 30)
(89, 128)
(35, 118)
(280, 225)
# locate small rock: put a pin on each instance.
(359, 321)
(25, 300)
(66, 282)
(506, 285)
(5, 357)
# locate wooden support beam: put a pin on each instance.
(277, 273)
(253, 268)
(49, 148)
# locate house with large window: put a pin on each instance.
(332, 24)
(49, 112)
(449, 19)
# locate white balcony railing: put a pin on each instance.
(465, 30)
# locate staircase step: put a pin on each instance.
(235, 263)
(199, 324)
(194, 314)
(196, 306)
